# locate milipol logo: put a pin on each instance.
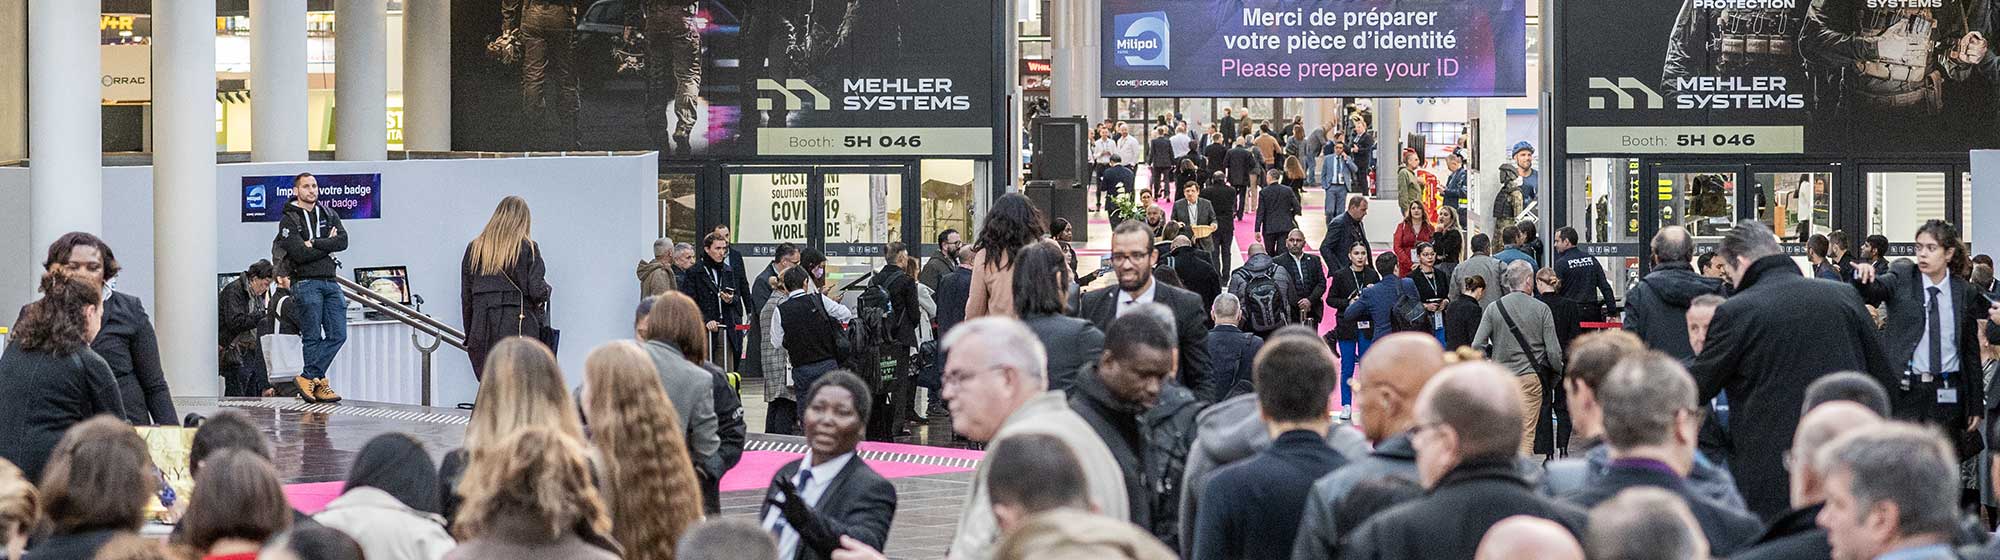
(253, 197)
(1141, 41)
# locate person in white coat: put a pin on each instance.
(390, 503)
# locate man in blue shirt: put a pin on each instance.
(1512, 237)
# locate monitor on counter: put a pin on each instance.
(392, 282)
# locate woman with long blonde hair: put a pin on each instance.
(530, 496)
(503, 288)
(650, 483)
(527, 390)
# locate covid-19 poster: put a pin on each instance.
(727, 78)
(1853, 77)
(1314, 48)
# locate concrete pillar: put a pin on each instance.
(427, 75)
(184, 226)
(361, 80)
(1492, 150)
(1388, 127)
(278, 80)
(1074, 56)
(65, 125)
(14, 74)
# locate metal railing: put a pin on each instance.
(423, 324)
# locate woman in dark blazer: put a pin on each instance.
(1344, 284)
(125, 340)
(503, 288)
(53, 379)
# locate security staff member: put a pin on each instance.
(673, 66)
(1582, 278)
(546, 30)
(1931, 331)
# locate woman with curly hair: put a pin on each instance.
(53, 379)
(651, 486)
(1011, 224)
(524, 388)
(528, 497)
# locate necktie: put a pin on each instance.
(1936, 334)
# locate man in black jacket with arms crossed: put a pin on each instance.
(310, 233)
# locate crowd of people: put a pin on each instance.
(1457, 409)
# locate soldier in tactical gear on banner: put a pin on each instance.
(800, 35)
(1890, 64)
(1751, 41)
(672, 67)
(546, 33)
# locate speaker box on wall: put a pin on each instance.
(1060, 143)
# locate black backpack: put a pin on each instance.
(1263, 300)
(869, 332)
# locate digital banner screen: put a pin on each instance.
(1314, 48)
(356, 196)
(729, 78)
(1857, 77)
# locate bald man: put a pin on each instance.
(1386, 384)
(1795, 535)
(1467, 431)
(1528, 538)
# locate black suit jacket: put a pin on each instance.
(1223, 198)
(858, 503)
(1212, 157)
(1277, 211)
(127, 343)
(1452, 518)
(1240, 163)
(1100, 306)
(1795, 536)
(1902, 290)
(1756, 351)
(1160, 152)
(1341, 234)
(1728, 530)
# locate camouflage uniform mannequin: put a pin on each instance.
(673, 67)
(546, 30)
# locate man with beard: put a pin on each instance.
(1132, 258)
(546, 31)
(1887, 64)
(673, 66)
(1751, 41)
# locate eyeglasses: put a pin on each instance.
(1128, 257)
(960, 377)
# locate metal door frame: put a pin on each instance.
(910, 197)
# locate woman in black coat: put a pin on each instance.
(1462, 315)
(52, 379)
(125, 340)
(1433, 286)
(503, 288)
(1344, 285)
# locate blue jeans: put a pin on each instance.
(322, 323)
(1350, 355)
(803, 378)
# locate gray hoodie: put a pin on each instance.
(1231, 431)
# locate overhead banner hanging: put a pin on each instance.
(1859, 77)
(727, 78)
(1314, 48)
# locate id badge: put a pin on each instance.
(1947, 396)
(1363, 325)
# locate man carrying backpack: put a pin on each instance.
(1391, 305)
(1265, 290)
(885, 329)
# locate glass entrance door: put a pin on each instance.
(848, 213)
(1795, 201)
(1701, 198)
(1896, 200)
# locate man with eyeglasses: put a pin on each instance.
(1651, 423)
(996, 380)
(1466, 433)
(1794, 534)
(1132, 258)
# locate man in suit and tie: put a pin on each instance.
(1345, 230)
(1160, 157)
(1214, 152)
(830, 493)
(1277, 216)
(1133, 258)
(1931, 334)
(1194, 211)
(1241, 164)
(1222, 197)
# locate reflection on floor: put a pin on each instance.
(316, 443)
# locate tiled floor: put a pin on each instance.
(317, 443)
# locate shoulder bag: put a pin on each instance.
(284, 354)
(549, 335)
(1547, 372)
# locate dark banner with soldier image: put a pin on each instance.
(725, 78)
(1852, 77)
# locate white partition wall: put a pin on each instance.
(593, 216)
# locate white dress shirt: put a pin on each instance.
(1127, 301)
(1128, 150)
(1920, 361)
(1182, 143)
(822, 477)
(833, 308)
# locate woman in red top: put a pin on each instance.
(1415, 228)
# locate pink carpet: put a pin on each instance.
(754, 472)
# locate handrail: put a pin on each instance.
(403, 313)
